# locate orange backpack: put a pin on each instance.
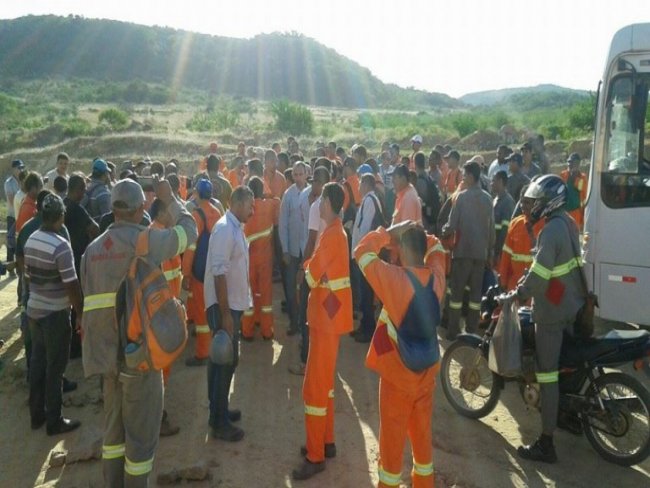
(150, 318)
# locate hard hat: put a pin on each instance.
(221, 351)
(549, 193)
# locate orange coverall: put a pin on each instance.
(517, 252)
(580, 183)
(353, 181)
(452, 180)
(172, 271)
(405, 397)
(407, 206)
(195, 300)
(329, 315)
(277, 184)
(259, 234)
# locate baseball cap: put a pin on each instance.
(417, 138)
(100, 166)
(17, 163)
(516, 157)
(127, 195)
(365, 169)
(573, 157)
(453, 154)
(204, 188)
(52, 204)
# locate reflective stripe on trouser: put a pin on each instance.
(261, 281)
(405, 414)
(203, 333)
(318, 392)
(548, 342)
(133, 405)
(465, 273)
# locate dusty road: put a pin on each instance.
(467, 453)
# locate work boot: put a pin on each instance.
(194, 361)
(69, 385)
(166, 428)
(541, 450)
(234, 415)
(62, 426)
(297, 369)
(228, 433)
(307, 469)
(330, 450)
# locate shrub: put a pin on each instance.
(292, 118)
(115, 118)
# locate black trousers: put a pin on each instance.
(50, 351)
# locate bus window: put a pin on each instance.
(626, 172)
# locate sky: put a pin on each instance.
(448, 46)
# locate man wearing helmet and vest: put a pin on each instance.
(554, 283)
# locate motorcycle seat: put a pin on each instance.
(615, 347)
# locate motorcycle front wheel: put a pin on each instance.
(467, 382)
(616, 420)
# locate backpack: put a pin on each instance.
(201, 252)
(378, 219)
(430, 200)
(150, 319)
(417, 336)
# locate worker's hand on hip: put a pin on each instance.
(227, 323)
(163, 189)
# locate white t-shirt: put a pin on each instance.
(51, 175)
(315, 222)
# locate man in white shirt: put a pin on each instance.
(315, 227)
(368, 218)
(227, 294)
(500, 163)
(62, 161)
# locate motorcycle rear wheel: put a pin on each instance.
(470, 386)
(620, 433)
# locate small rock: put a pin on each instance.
(88, 445)
(169, 477)
(197, 472)
(57, 458)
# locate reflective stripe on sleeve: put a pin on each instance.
(258, 235)
(98, 301)
(182, 238)
(366, 259)
(557, 271)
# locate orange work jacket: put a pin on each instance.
(277, 184)
(407, 206)
(353, 182)
(452, 180)
(212, 214)
(393, 288)
(329, 308)
(517, 253)
(259, 229)
(171, 268)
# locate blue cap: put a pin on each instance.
(204, 188)
(365, 169)
(100, 166)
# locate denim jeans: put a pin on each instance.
(219, 376)
(293, 295)
(50, 350)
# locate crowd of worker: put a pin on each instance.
(388, 239)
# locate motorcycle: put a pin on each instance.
(612, 409)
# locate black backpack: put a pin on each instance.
(430, 200)
(201, 252)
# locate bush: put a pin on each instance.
(215, 120)
(76, 127)
(292, 118)
(114, 118)
(464, 123)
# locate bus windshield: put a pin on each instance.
(626, 168)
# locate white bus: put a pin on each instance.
(617, 213)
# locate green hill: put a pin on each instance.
(527, 98)
(269, 66)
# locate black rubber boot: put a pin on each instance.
(541, 450)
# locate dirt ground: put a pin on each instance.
(467, 453)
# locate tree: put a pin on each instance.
(292, 118)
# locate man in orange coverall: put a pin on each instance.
(329, 315)
(577, 185)
(206, 215)
(517, 254)
(259, 234)
(405, 396)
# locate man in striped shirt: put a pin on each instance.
(53, 287)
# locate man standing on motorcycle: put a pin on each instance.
(554, 283)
